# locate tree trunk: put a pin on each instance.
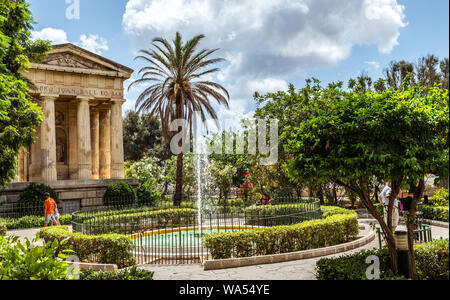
(178, 197)
(411, 223)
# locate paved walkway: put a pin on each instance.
(293, 270)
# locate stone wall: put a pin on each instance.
(73, 195)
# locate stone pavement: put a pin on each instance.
(293, 270)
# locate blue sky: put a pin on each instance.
(267, 43)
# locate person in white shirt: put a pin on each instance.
(384, 199)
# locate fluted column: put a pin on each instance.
(117, 155)
(73, 140)
(95, 146)
(48, 140)
(105, 144)
(36, 165)
(84, 140)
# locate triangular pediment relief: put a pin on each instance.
(67, 59)
(73, 57)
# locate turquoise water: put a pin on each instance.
(189, 238)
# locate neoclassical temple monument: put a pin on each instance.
(79, 146)
(81, 95)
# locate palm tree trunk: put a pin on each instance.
(178, 197)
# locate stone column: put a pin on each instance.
(84, 140)
(105, 144)
(95, 143)
(35, 165)
(73, 140)
(117, 155)
(48, 140)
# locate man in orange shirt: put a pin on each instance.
(50, 210)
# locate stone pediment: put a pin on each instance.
(71, 58)
(68, 59)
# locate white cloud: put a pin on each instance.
(374, 64)
(93, 43)
(56, 36)
(270, 38)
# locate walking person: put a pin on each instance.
(50, 211)
(384, 199)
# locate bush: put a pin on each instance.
(437, 213)
(280, 214)
(118, 194)
(26, 261)
(137, 219)
(104, 249)
(31, 222)
(147, 197)
(432, 261)
(31, 200)
(314, 234)
(126, 274)
(328, 211)
(440, 198)
(2, 230)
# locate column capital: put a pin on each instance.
(48, 97)
(118, 101)
(83, 99)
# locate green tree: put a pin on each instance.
(177, 91)
(396, 136)
(18, 114)
(142, 137)
(223, 177)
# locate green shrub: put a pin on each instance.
(432, 262)
(437, 213)
(104, 249)
(26, 261)
(280, 214)
(326, 232)
(328, 211)
(126, 274)
(118, 194)
(147, 197)
(31, 200)
(31, 222)
(134, 220)
(440, 198)
(2, 230)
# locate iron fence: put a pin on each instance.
(173, 235)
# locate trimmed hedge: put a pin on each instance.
(132, 220)
(31, 222)
(104, 249)
(126, 274)
(281, 214)
(432, 261)
(328, 211)
(308, 235)
(437, 213)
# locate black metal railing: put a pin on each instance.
(172, 235)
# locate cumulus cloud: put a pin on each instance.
(265, 42)
(266, 38)
(93, 43)
(56, 36)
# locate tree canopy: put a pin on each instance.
(18, 114)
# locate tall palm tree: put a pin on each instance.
(176, 89)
